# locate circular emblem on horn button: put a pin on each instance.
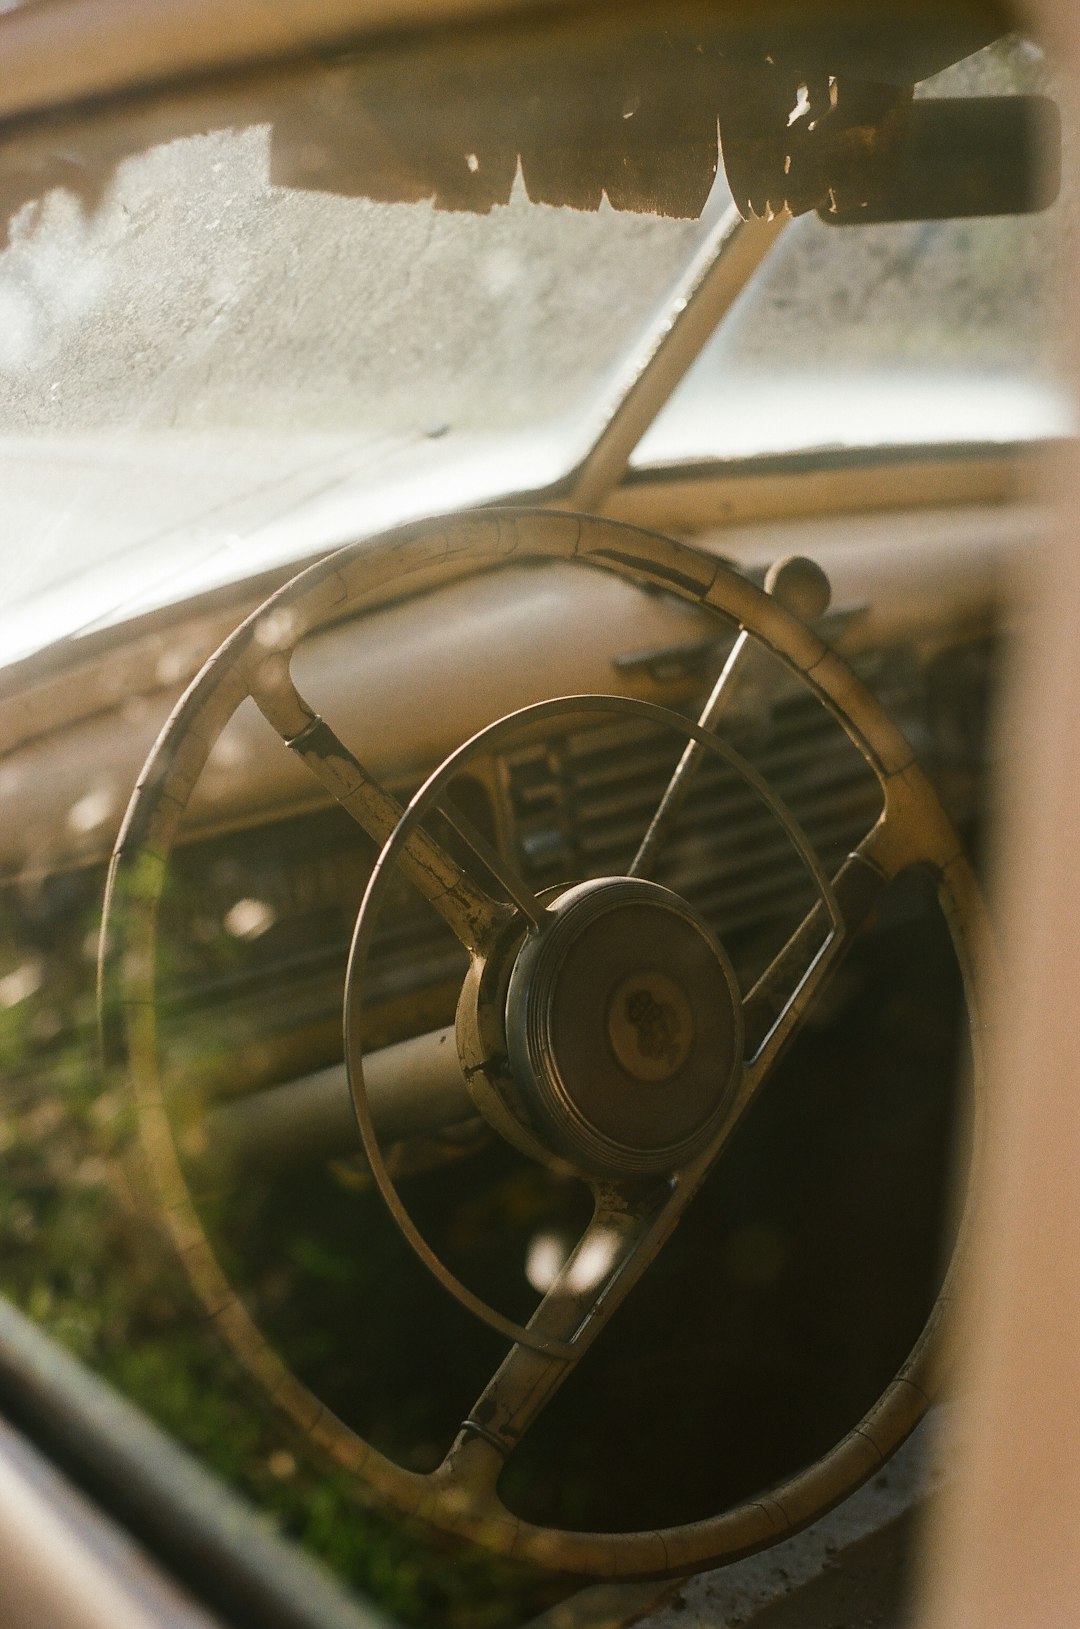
(650, 1025)
(624, 1027)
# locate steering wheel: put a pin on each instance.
(600, 1028)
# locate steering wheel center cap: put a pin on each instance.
(624, 1027)
(650, 1025)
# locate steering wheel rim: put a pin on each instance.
(460, 1496)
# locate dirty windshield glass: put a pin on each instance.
(921, 332)
(242, 325)
(232, 328)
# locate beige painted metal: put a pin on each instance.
(680, 500)
(722, 267)
(56, 52)
(926, 577)
(734, 511)
(1005, 1550)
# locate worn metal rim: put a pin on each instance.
(360, 577)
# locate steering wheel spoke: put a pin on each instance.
(466, 907)
(615, 1249)
(803, 588)
(512, 882)
(785, 993)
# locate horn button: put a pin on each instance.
(624, 1027)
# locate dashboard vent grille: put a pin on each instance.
(575, 805)
(581, 802)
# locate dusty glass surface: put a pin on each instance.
(228, 337)
(928, 331)
(224, 340)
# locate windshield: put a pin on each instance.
(219, 350)
(247, 324)
(920, 332)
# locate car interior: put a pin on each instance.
(516, 526)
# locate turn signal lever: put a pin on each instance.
(802, 588)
